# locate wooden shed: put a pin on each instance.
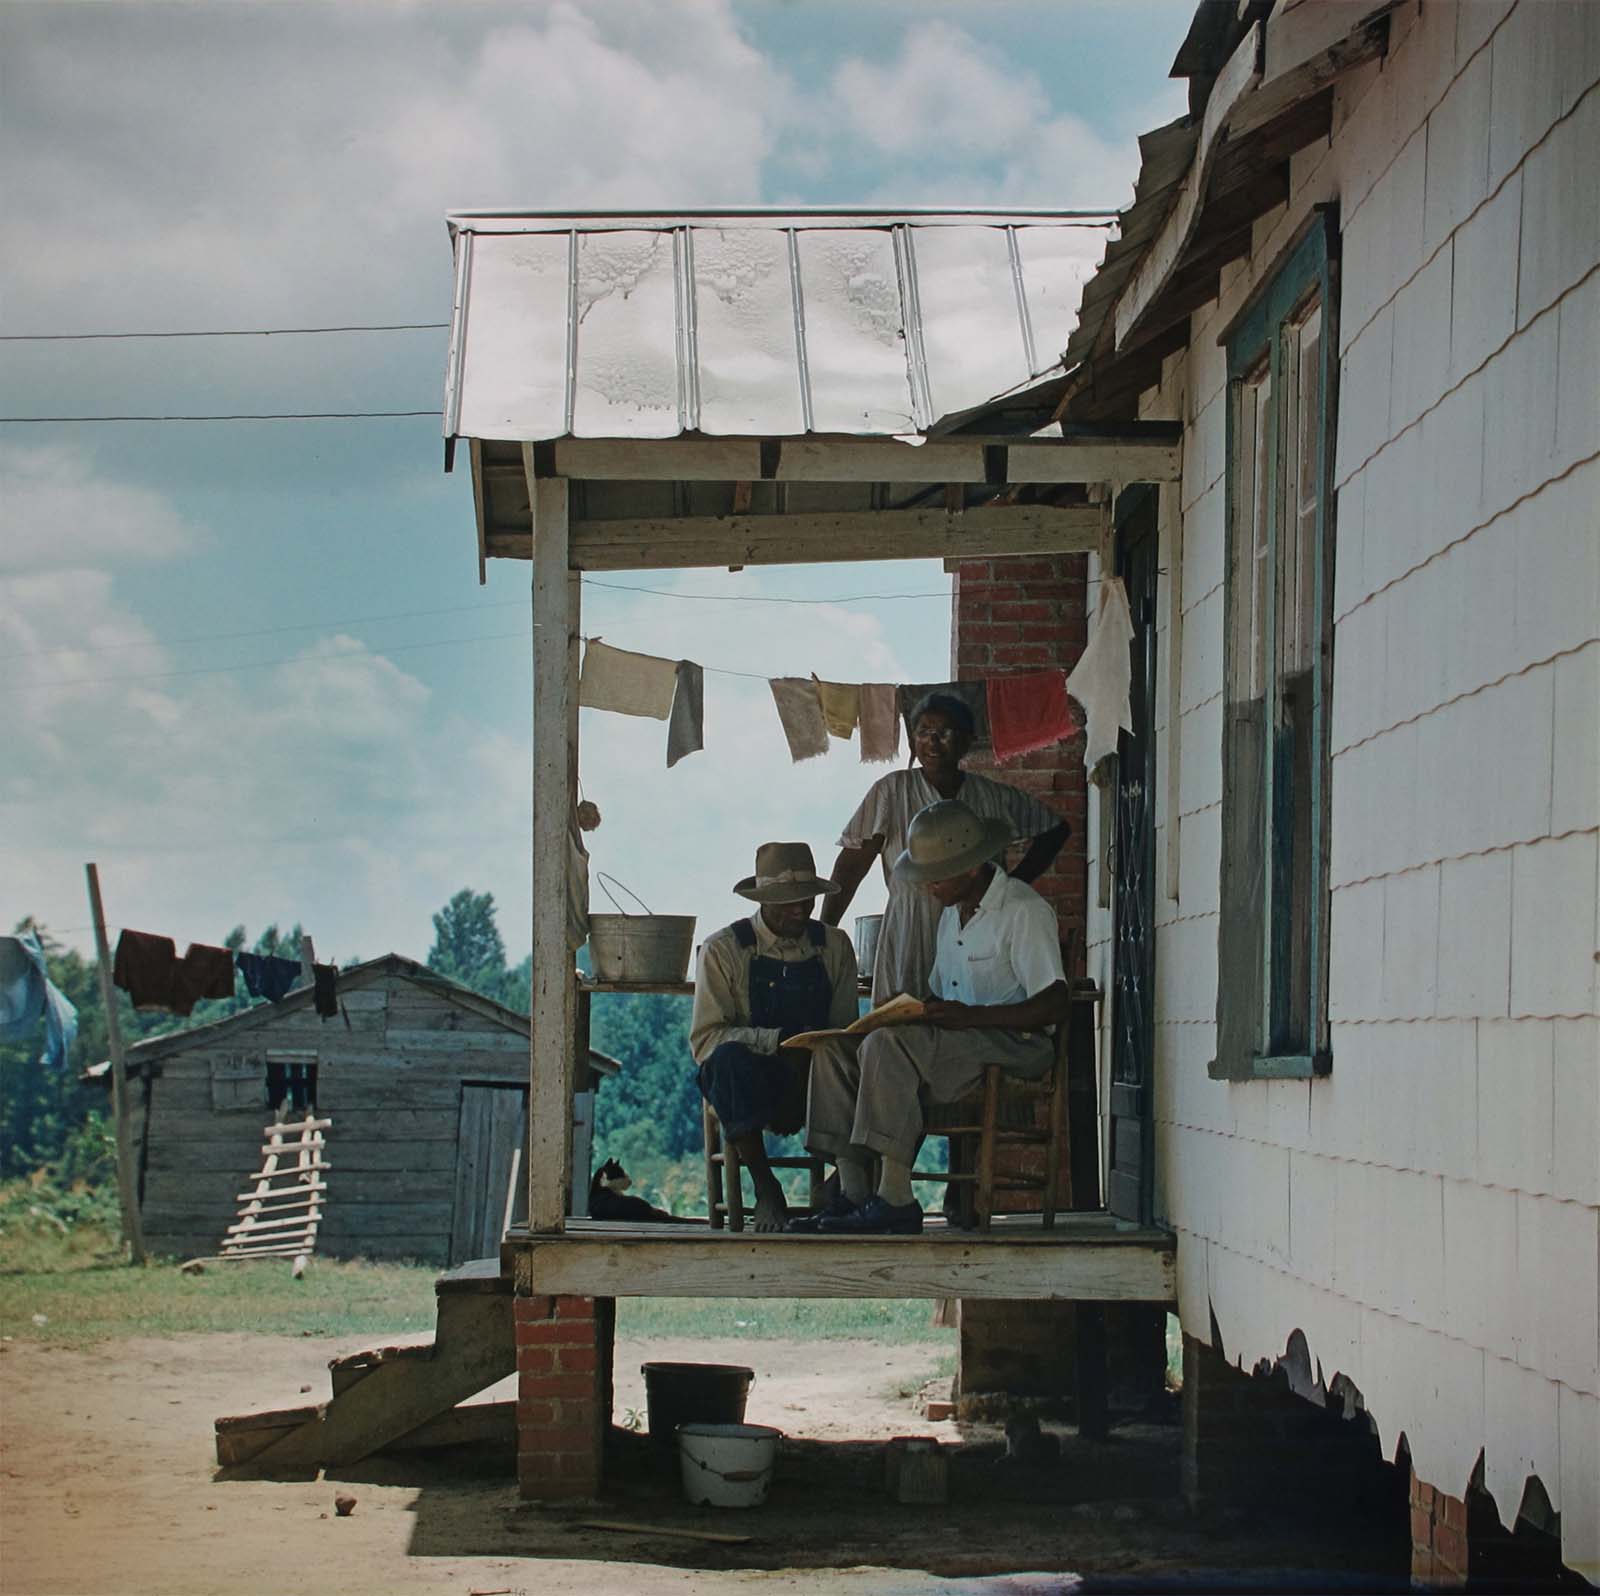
(424, 1081)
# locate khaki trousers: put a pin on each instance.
(870, 1095)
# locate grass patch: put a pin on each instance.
(97, 1301)
(893, 1322)
(61, 1260)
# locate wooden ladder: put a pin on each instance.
(279, 1217)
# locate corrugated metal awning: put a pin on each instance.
(770, 324)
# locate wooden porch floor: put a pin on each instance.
(1086, 1257)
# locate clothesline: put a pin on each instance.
(1014, 713)
(148, 969)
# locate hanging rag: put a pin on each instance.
(267, 977)
(1028, 712)
(577, 885)
(627, 684)
(146, 968)
(203, 972)
(686, 731)
(325, 990)
(880, 723)
(800, 711)
(27, 994)
(1102, 680)
(974, 695)
(841, 707)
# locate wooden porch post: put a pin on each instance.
(555, 624)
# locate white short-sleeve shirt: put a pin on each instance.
(1008, 952)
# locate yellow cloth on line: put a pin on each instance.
(841, 706)
(627, 684)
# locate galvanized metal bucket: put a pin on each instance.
(867, 928)
(639, 947)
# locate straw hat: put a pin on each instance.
(947, 839)
(785, 873)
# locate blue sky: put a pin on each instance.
(270, 165)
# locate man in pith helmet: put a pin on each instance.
(998, 987)
(758, 982)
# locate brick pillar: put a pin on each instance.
(1025, 613)
(1011, 615)
(564, 1368)
(1438, 1538)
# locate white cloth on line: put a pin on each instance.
(627, 684)
(1102, 680)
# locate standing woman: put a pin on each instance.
(941, 734)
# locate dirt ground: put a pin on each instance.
(110, 1486)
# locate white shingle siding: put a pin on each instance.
(1428, 1215)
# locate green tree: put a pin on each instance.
(467, 945)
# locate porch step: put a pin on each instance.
(394, 1395)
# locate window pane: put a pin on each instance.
(1247, 555)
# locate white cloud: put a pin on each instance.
(56, 513)
(943, 86)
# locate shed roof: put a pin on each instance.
(754, 323)
(359, 975)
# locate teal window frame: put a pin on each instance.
(1263, 1031)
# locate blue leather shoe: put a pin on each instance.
(875, 1217)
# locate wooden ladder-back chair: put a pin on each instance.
(725, 1204)
(1005, 1111)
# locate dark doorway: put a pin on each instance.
(1131, 1164)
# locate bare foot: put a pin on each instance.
(772, 1212)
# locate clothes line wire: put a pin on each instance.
(224, 332)
(453, 609)
(760, 598)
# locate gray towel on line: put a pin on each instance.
(800, 712)
(880, 723)
(686, 731)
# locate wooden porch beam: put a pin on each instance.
(804, 1266)
(1023, 460)
(850, 535)
(551, 1039)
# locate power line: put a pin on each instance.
(452, 609)
(265, 664)
(270, 631)
(224, 332)
(759, 598)
(275, 415)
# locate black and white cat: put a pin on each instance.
(607, 1199)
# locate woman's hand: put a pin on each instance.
(949, 1015)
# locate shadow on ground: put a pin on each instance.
(1108, 1510)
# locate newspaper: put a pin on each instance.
(902, 1010)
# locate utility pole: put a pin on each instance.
(127, 1186)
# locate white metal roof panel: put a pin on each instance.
(754, 323)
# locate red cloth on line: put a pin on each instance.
(203, 972)
(1028, 713)
(146, 968)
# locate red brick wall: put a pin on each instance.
(1438, 1538)
(564, 1352)
(1022, 613)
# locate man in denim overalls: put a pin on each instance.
(758, 982)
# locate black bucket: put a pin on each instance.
(693, 1393)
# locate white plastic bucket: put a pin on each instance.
(727, 1465)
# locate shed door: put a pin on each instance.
(1130, 1166)
(491, 1183)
